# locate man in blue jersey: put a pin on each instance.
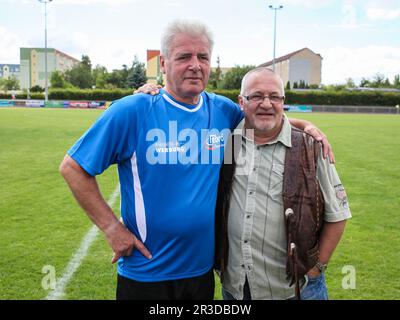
(169, 149)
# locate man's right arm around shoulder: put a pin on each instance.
(87, 193)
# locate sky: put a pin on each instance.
(355, 38)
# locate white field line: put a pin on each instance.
(79, 256)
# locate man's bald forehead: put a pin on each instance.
(257, 71)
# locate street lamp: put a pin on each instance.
(275, 9)
(46, 89)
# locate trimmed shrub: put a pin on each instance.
(340, 98)
(23, 96)
(88, 94)
(231, 94)
(343, 98)
(309, 97)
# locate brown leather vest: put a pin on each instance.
(302, 201)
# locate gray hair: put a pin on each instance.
(192, 28)
(259, 70)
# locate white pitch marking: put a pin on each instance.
(78, 257)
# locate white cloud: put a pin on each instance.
(340, 63)
(10, 44)
(94, 2)
(307, 4)
(173, 4)
(382, 10)
(76, 2)
(349, 17)
(72, 43)
(112, 54)
(383, 14)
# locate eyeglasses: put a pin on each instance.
(260, 98)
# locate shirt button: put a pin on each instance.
(245, 241)
(254, 169)
(248, 216)
(251, 192)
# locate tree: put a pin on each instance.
(101, 80)
(114, 79)
(137, 74)
(216, 76)
(295, 85)
(396, 81)
(287, 86)
(81, 74)
(100, 76)
(57, 80)
(118, 77)
(350, 83)
(378, 80)
(12, 83)
(387, 84)
(86, 63)
(36, 88)
(124, 73)
(365, 82)
(233, 78)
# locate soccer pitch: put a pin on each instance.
(42, 228)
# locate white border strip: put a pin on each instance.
(80, 254)
(182, 107)
(140, 211)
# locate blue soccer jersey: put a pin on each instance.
(169, 156)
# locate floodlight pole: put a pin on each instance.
(275, 9)
(46, 89)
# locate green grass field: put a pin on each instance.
(41, 225)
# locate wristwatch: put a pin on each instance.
(321, 266)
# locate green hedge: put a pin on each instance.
(75, 94)
(343, 98)
(340, 98)
(97, 94)
(22, 96)
(231, 94)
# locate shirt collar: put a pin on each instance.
(180, 105)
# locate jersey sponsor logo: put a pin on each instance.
(186, 146)
(215, 141)
(169, 147)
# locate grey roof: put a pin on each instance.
(286, 57)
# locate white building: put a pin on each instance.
(301, 65)
(33, 65)
(8, 70)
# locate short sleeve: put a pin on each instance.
(336, 202)
(230, 109)
(111, 139)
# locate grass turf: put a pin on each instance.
(42, 225)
